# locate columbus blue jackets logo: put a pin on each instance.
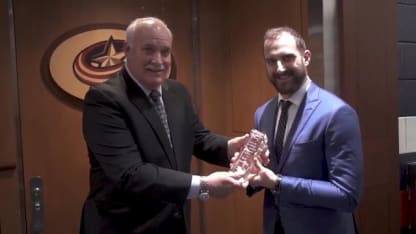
(99, 61)
(83, 57)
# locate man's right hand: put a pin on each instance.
(222, 183)
(263, 176)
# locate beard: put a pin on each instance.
(289, 81)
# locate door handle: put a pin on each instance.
(36, 189)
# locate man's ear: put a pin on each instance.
(307, 55)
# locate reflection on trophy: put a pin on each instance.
(255, 146)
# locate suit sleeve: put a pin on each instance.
(343, 154)
(113, 151)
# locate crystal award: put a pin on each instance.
(254, 147)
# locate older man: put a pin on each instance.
(141, 131)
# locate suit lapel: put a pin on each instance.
(268, 125)
(139, 99)
(307, 107)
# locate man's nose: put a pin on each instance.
(279, 66)
(157, 58)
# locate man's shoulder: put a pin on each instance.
(331, 101)
(265, 105)
(115, 80)
(328, 96)
(175, 86)
(171, 83)
(113, 86)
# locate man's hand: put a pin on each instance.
(262, 176)
(264, 157)
(235, 144)
(222, 183)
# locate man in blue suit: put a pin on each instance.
(314, 179)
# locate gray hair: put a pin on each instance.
(135, 24)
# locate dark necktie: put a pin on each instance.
(160, 109)
(281, 129)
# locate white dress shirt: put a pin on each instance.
(296, 100)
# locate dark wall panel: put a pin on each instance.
(407, 18)
(407, 56)
(407, 94)
(408, 2)
(407, 60)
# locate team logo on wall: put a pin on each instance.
(83, 57)
(98, 61)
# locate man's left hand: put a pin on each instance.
(235, 144)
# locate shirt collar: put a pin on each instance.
(297, 97)
(145, 90)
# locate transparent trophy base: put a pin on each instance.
(254, 147)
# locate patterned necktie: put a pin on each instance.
(160, 109)
(281, 129)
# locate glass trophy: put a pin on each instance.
(254, 147)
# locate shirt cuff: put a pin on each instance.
(195, 186)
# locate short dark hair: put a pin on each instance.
(274, 33)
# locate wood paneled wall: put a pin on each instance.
(10, 214)
(369, 83)
(234, 84)
(53, 145)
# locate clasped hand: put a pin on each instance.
(258, 174)
(222, 183)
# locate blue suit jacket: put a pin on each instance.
(321, 165)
